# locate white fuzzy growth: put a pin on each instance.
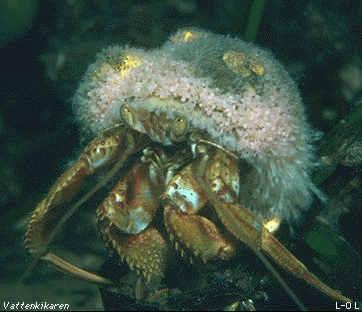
(260, 117)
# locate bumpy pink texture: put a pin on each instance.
(244, 119)
(260, 117)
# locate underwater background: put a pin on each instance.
(45, 48)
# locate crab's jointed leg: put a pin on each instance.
(183, 199)
(125, 216)
(113, 146)
(247, 227)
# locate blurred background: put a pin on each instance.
(45, 48)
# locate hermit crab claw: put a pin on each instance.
(113, 147)
(248, 228)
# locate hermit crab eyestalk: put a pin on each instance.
(127, 115)
(178, 129)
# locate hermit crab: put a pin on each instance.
(204, 120)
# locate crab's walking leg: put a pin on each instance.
(183, 198)
(112, 146)
(247, 227)
(125, 216)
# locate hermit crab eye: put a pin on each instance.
(179, 127)
(126, 115)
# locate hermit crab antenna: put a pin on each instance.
(219, 147)
(199, 140)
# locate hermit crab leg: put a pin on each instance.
(125, 217)
(51, 213)
(186, 195)
(64, 266)
(182, 200)
(245, 226)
